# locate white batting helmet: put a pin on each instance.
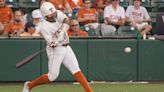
(47, 8)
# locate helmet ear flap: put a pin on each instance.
(47, 8)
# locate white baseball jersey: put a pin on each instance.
(60, 16)
(61, 54)
(114, 15)
(55, 32)
(137, 14)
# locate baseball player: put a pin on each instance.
(137, 16)
(58, 50)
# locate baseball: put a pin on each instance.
(127, 50)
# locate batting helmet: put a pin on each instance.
(47, 8)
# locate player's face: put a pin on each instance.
(137, 3)
(51, 17)
(2, 3)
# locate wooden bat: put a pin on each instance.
(29, 58)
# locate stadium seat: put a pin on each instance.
(101, 18)
(127, 30)
(124, 3)
(90, 32)
(12, 3)
(147, 5)
(153, 21)
(159, 5)
(153, 16)
(29, 3)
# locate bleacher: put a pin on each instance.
(153, 7)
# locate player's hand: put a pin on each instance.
(52, 45)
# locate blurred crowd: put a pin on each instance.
(102, 17)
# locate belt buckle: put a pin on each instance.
(66, 44)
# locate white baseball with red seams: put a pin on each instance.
(127, 50)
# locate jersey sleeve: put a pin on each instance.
(61, 16)
(46, 34)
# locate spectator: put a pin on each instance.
(88, 16)
(37, 19)
(6, 15)
(100, 5)
(42, 1)
(16, 26)
(114, 17)
(75, 29)
(59, 4)
(29, 30)
(137, 16)
(24, 15)
(75, 5)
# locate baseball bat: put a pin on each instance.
(29, 58)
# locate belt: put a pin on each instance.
(66, 44)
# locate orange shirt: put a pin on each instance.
(6, 15)
(79, 33)
(59, 4)
(91, 14)
(74, 5)
(102, 2)
(14, 26)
